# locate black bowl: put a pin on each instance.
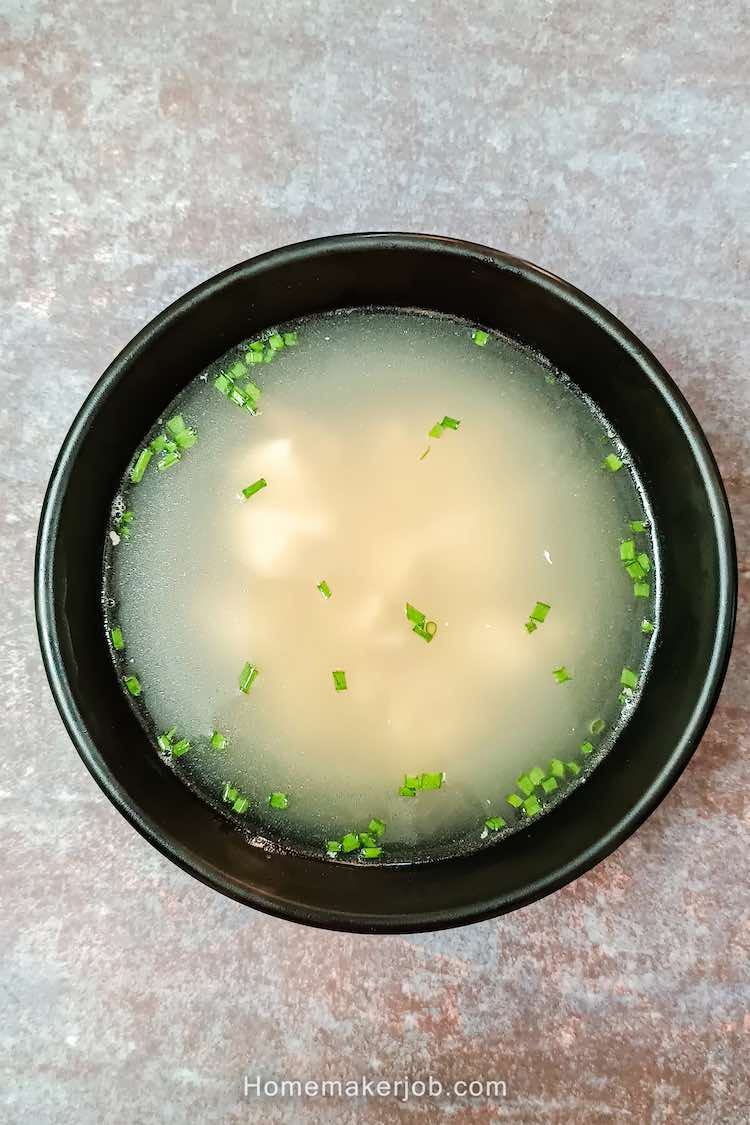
(698, 575)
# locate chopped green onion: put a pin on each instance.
(248, 675)
(223, 383)
(257, 346)
(426, 631)
(237, 370)
(628, 678)
(430, 628)
(480, 337)
(647, 626)
(252, 390)
(167, 460)
(561, 674)
(549, 785)
(436, 431)
(641, 589)
(350, 842)
(186, 439)
(133, 684)
(164, 741)
(367, 840)
(550, 379)
(525, 784)
(254, 357)
(645, 562)
(377, 827)
(141, 464)
(530, 626)
(278, 801)
(413, 781)
(627, 550)
(268, 355)
(450, 423)
(597, 726)
(371, 853)
(514, 800)
(251, 489)
(637, 525)
(587, 748)
(241, 805)
(531, 805)
(414, 615)
(176, 425)
(494, 823)
(612, 462)
(556, 768)
(407, 791)
(324, 588)
(276, 342)
(230, 794)
(290, 339)
(333, 847)
(573, 767)
(536, 775)
(635, 570)
(218, 740)
(180, 748)
(339, 679)
(539, 612)
(431, 780)
(159, 444)
(118, 641)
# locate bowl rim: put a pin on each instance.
(557, 877)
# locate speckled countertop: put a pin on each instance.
(146, 146)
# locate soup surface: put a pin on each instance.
(430, 600)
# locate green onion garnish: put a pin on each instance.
(253, 488)
(339, 679)
(141, 464)
(436, 431)
(276, 342)
(549, 785)
(333, 847)
(612, 462)
(514, 800)
(414, 615)
(450, 423)
(644, 562)
(175, 425)
(647, 626)
(525, 784)
(431, 781)
(371, 853)
(248, 675)
(241, 805)
(278, 801)
(637, 525)
(628, 678)
(350, 842)
(186, 439)
(133, 684)
(367, 840)
(536, 775)
(426, 631)
(118, 641)
(218, 740)
(635, 570)
(627, 550)
(180, 748)
(290, 339)
(377, 827)
(556, 768)
(171, 457)
(561, 674)
(324, 588)
(159, 444)
(530, 626)
(413, 781)
(480, 337)
(230, 794)
(587, 748)
(539, 612)
(494, 823)
(573, 767)
(597, 726)
(641, 589)
(256, 346)
(164, 741)
(407, 791)
(223, 383)
(531, 805)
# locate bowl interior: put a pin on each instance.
(609, 364)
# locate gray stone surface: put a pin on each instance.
(146, 146)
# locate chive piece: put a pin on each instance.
(255, 487)
(494, 823)
(367, 840)
(252, 390)
(436, 431)
(371, 853)
(612, 462)
(118, 641)
(641, 589)
(647, 626)
(237, 370)
(230, 794)
(254, 357)
(628, 678)
(339, 679)
(539, 612)
(530, 626)
(223, 383)
(431, 781)
(644, 561)
(427, 450)
(587, 748)
(278, 801)
(561, 674)
(414, 615)
(218, 740)
(159, 444)
(268, 355)
(241, 805)
(133, 684)
(637, 525)
(136, 473)
(276, 342)
(413, 781)
(425, 632)
(406, 791)
(635, 570)
(596, 726)
(480, 337)
(573, 767)
(536, 775)
(290, 339)
(627, 550)
(175, 425)
(167, 460)
(248, 675)
(377, 827)
(525, 784)
(450, 423)
(324, 588)
(350, 842)
(556, 768)
(186, 439)
(549, 785)
(257, 346)
(333, 847)
(531, 805)
(514, 800)
(430, 628)
(164, 741)
(180, 748)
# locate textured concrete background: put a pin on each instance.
(146, 146)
